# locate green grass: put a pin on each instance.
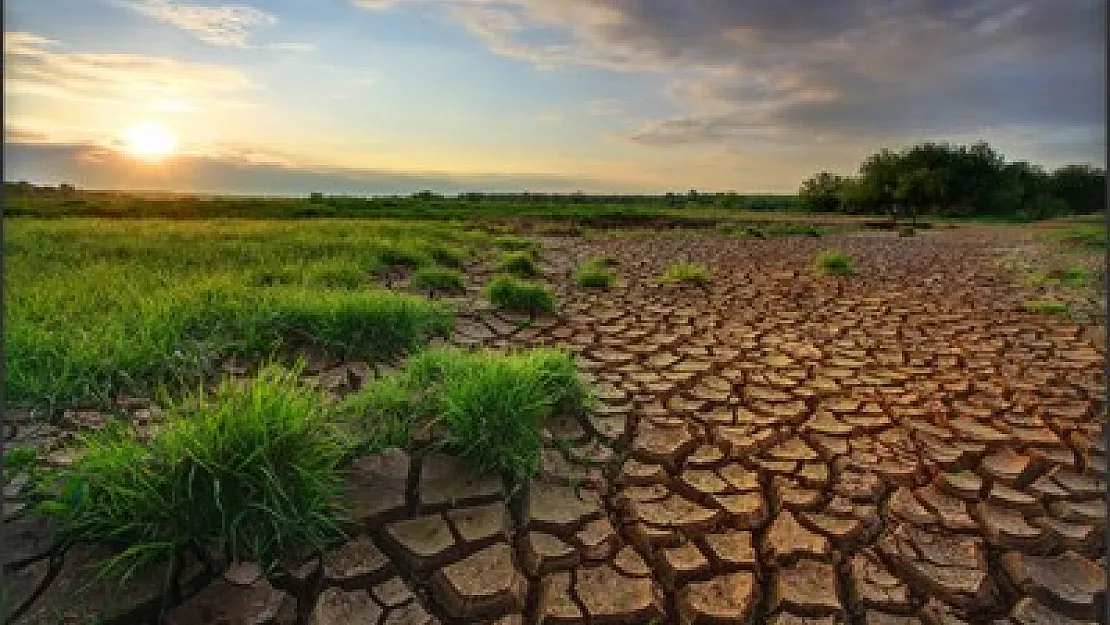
(492, 404)
(250, 470)
(593, 274)
(1068, 277)
(438, 278)
(606, 260)
(19, 458)
(449, 256)
(834, 263)
(1046, 307)
(513, 243)
(1081, 238)
(522, 264)
(520, 295)
(685, 273)
(95, 308)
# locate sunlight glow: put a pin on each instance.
(149, 140)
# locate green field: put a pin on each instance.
(101, 307)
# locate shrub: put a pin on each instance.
(834, 263)
(438, 278)
(493, 404)
(593, 275)
(685, 273)
(520, 295)
(1046, 307)
(519, 264)
(250, 470)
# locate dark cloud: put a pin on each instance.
(94, 167)
(745, 70)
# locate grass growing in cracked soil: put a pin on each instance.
(521, 264)
(1046, 307)
(834, 263)
(96, 307)
(250, 470)
(438, 278)
(685, 273)
(593, 274)
(512, 294)
(491, 405)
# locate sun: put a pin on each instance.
(149, 140)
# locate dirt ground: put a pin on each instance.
(905, 445)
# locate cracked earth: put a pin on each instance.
(897, 447)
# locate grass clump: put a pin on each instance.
(250, 470)
(449, 256)
(438, 278)
(513, 243)
(1082, 238)
(834, 263)
(1046, 307)
(492, 405)
(685, 273)
(521, 264)
(20, 458)
(593, 274)
(520, 295)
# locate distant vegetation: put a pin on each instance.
(956, 181)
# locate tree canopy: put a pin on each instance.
(951, 180)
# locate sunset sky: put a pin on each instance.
(386, 96)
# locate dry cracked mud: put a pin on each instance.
(904, 446)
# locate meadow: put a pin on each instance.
(96, 308)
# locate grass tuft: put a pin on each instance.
(1046, 307)
(834, 263)
(685, 273)
(493, 404)
(593, 274)
(513, 243)
(520, 295)
(250, 470)
(521, 264)
(438, 278)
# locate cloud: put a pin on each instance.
(228, 25)
(836, 70)
(97, 167)
(34, 66)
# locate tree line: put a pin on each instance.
(950, 180)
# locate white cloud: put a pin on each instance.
(228, 25)
(33, 67)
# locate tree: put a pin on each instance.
(821, 193)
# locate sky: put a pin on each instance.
(607, 96)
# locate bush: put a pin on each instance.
(1046, 307)
(438, 278)
(834, 263)
(493, 404)
(685, 273)
(520, 295)
(250, 470)
(519, 264)
(593, 275)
